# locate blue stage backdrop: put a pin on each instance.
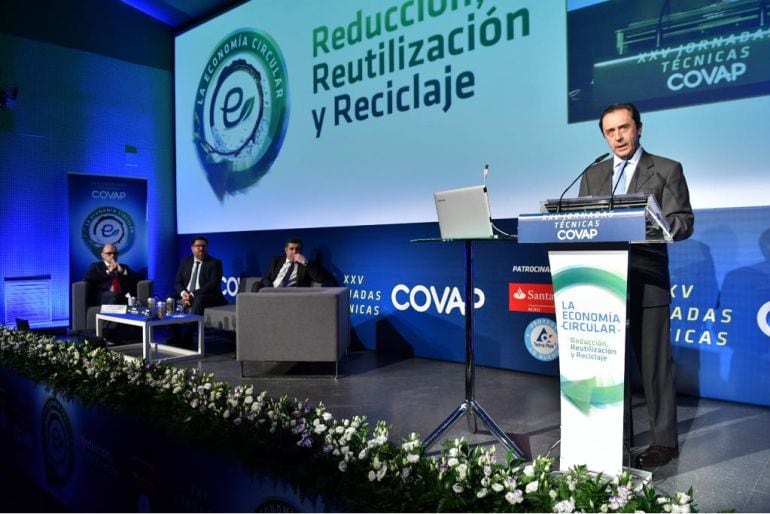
(408, 297)
(721, 298)
(107, 209)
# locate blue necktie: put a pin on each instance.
(619, 178)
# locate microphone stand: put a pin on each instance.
(596, 161)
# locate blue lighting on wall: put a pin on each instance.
(160, 11)
(80, 124)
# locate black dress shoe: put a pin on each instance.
(656, 456)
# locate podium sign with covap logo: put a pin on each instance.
(583, 227)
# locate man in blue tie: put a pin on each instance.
(198, 281)
(633, 170)
(293, 269)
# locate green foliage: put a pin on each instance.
(342, 459)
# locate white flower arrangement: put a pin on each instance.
(366, 468)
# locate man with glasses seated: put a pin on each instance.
(198, 282)
(108, 279)
(198, 285)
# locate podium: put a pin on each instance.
(588, 246)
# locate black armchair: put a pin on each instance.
(83, 312)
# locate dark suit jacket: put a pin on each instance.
(209, 279)
(663, 178)
(99, 281)
(306, 275)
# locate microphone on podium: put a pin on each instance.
(596, 161)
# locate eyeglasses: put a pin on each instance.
(110, 253)
(199, 246)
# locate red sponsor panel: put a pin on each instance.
(531, 298)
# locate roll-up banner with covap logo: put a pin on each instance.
(105, 209)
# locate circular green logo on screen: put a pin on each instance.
(108, 225)
(241, 111)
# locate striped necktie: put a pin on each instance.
(287, 280)
(194, 279)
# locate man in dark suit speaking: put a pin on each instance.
(293, 269)
(198, 282)
(633, 170)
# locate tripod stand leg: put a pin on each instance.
(495, 430)
(447, 424)
(473, 426)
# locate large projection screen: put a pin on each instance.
(306, 114)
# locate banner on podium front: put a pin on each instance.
(590, 290)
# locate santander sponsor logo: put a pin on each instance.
(531, 298)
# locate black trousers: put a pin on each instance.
(651, 346)
(200, 302)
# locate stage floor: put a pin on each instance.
(725, 447)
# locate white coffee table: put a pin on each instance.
(154, 351)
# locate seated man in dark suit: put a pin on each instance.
(108, 280)
(293, 269)
(198, 282)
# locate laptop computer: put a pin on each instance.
(464, 213)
